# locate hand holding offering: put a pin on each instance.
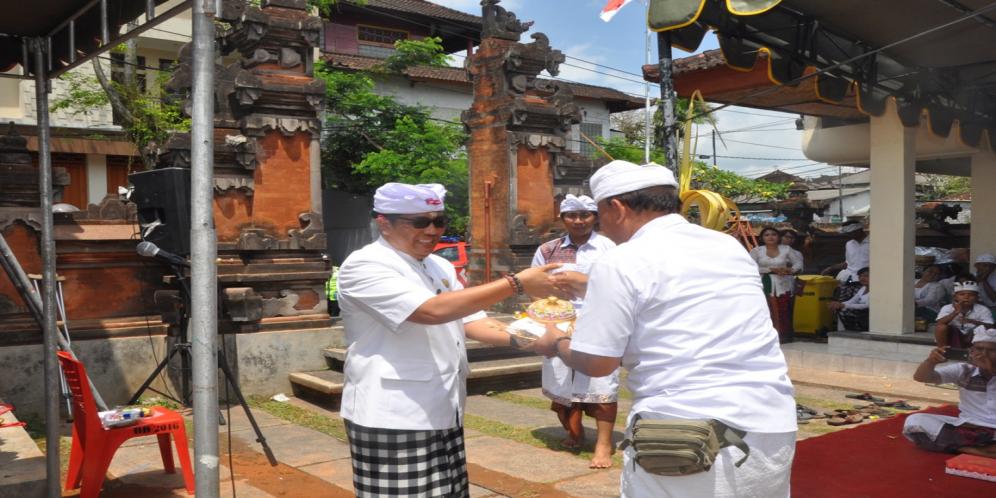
(551, 310)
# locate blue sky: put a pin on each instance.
(574, 27)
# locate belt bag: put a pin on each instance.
(678, 447)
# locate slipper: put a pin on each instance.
(873, 409)
(855, 418)
(900, 404)
(864, 397)
(836, 421)
(804, 408)
(802, 416)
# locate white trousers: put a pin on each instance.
(765, 474)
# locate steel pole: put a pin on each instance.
(670, 141)
(49, 331)
(646, 93)
(203, 253)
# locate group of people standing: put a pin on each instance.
(648, 286)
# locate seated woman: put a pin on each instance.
(853, 313)
(777, 264)
(974, 429)
(928, 293)
(956, 321)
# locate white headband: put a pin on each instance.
(581, 203)
(620, 177)
(982, 334)
(402, 198)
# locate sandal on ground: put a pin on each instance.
(864, 397)
(899, 405)
(843, 419)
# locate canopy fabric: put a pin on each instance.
(949, 74)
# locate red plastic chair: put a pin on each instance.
(94, 446)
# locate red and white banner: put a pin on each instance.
(611, 8)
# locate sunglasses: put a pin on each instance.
(421, 222)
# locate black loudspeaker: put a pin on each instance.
(162, 197)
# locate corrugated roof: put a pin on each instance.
(459, 75)
(831, 194)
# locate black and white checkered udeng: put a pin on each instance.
(391, 462)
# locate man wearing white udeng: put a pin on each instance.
(574, 393)
(683, 308)
(407, 318)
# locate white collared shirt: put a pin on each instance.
(978, 312)
(976, 396)
(861, 300)
(683, 307)
(400, 374)
(587, 253)
(857, 254)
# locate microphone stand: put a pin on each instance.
(182, 347)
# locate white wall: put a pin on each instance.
(96, 177)
(856, 204)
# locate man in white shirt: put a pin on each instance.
(683, 308)
(957, 321)
(984, 274)
(974, 429)
(853, 312)
(856, 253)
(573, 393)
(406, 318)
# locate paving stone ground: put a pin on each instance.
(316, 464)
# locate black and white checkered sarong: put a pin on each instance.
(392, 462)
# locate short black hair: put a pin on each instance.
(659, 198)
(769, 229)
(863, 270)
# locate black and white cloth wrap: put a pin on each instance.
(406, 463)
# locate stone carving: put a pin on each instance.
(30, 217)
(311, 235)
(500, 23)
(111, 207)
(255, 239)
(242, 304)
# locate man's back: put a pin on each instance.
(687, 308)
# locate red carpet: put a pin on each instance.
(874, 460)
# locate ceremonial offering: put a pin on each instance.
(551, 310)
(530, 330)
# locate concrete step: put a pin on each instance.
(476, 351)
(325, 386)
(23, 464)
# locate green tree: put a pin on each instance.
(146, 117)
(370, 139)
(704, 176)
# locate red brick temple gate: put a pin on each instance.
(519, 128)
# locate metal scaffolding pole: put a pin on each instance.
(203, 253)
(49, 331)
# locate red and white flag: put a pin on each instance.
(611, 8)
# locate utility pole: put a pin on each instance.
(646, 93)
(714, 148)
(667, 102)
(840, 194)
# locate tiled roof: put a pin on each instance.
(459, 75)
(425, 8)
(698, 62)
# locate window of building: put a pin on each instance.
(592, 131)
(382, 36)
(377, 42)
